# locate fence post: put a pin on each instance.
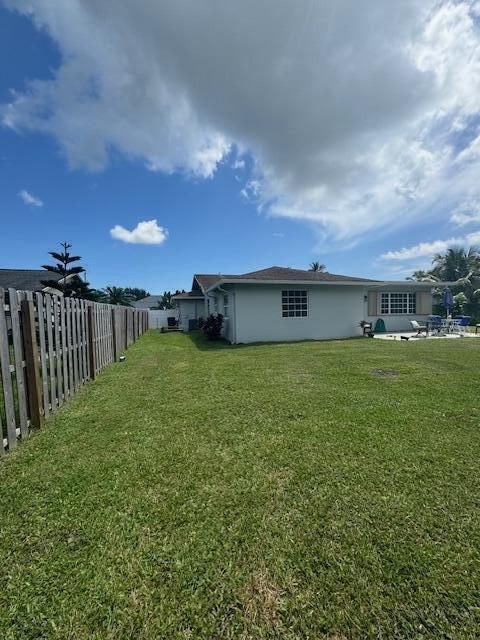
(32, 368)
(92, 352)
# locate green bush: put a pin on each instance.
(212, 327)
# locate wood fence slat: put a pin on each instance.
(84, 340)
(68, 316)
(73, 306)
(98, 340)
(51, 360)
(79, 352)
(18, 357)
(111, 331)
(58, 348)
(6, 377)
(91, 340)
(43, 353)
(80, 342)
(102, 334)
(63, 329)
(31, 361)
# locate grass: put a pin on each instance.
(270, 491)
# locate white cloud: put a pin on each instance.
(146, 232)
(428, 249)
(467, 212)
(357, 118)
(238, 164)
(30, 199)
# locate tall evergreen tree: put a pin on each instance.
(69, 284)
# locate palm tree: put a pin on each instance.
(117, 295)
(422, 276)
(165, 302)
(136, 293)
(462, 267)
(457, 263)
(317, 266)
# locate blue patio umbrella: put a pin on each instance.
(447, 299)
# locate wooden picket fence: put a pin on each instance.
(49, 347)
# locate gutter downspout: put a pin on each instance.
(232, 293)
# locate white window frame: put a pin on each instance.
(398, 303)
(225, 305)
(294, 303)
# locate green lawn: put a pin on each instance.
(268, 491)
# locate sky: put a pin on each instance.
(166, 139)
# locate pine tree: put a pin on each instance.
(70, 284)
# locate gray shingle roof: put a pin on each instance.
(207, 279)
(189, 295)
(26, 279)
(284, 273)
(281, 274)
(148, 302)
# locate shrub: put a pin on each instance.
(212, 327)
(200, 322)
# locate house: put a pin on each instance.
(282, 304)
(150, 302)
(27, 279)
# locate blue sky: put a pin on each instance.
(238, 175)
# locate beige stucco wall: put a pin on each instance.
(401, 322)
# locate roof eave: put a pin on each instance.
(289, 282)
(410, 283)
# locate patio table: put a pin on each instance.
(450, 325)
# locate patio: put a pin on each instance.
(412, 335)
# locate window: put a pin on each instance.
(294, 304)
(398, 303)
(225, 305)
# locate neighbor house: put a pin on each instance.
(27, 279)
(150, 302)
(281, 304)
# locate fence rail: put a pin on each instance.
(49, 347)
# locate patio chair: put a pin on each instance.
(463, 323)
(434, 323)
(419, 328)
